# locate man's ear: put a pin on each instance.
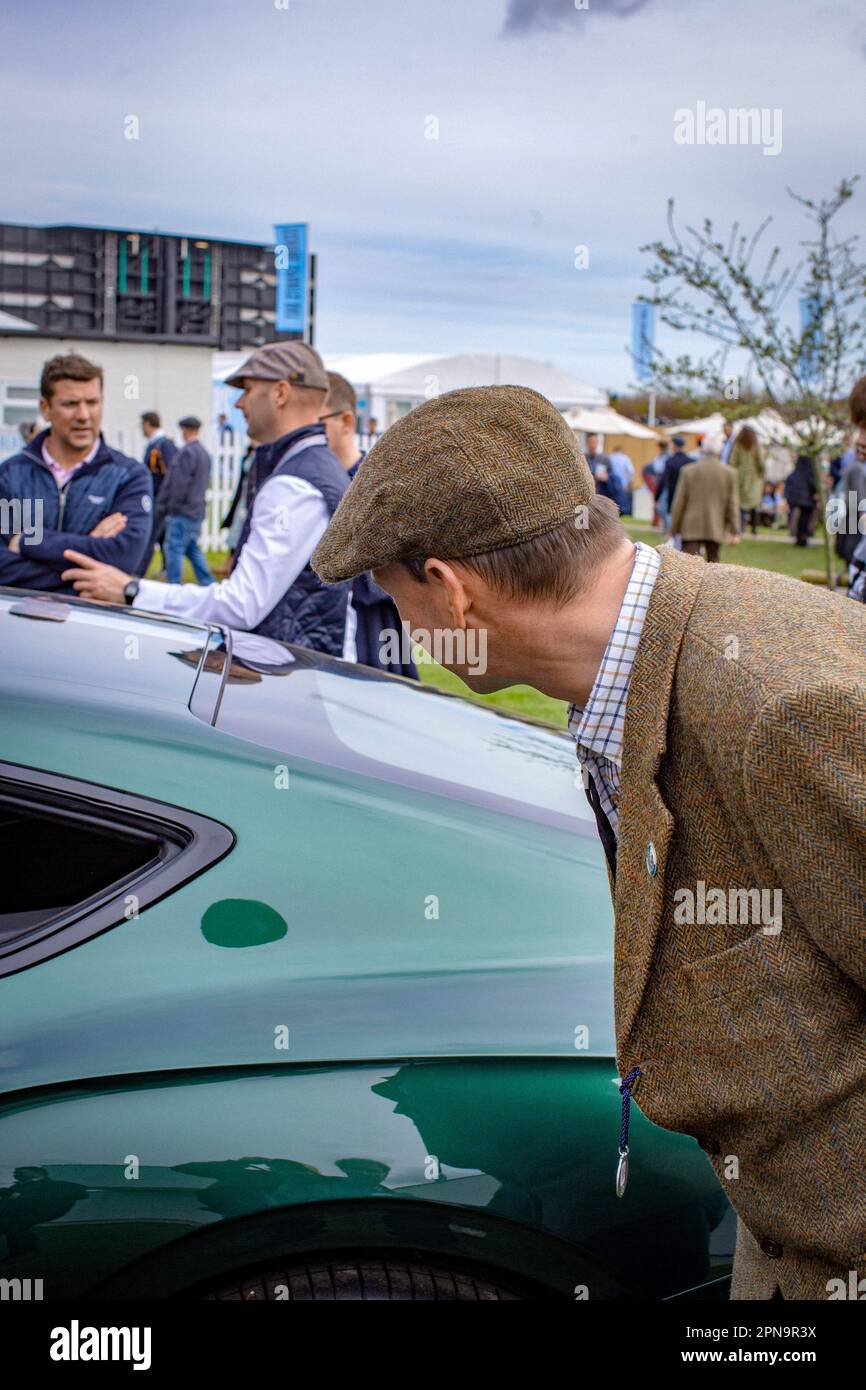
(451, 582)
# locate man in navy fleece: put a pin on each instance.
(68, 489)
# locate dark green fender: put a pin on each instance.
(506, 1165)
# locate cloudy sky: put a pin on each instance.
(554, 128)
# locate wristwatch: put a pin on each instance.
(130, 590)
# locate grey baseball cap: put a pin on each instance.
(295, 362)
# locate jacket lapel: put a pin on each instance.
(645, 823)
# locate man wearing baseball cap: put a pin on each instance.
(723, 755)
(295, 487)
(180, 508)
(668, 485)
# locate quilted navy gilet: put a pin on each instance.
(310, 613)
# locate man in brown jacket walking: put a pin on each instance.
(719, 716)
(706, 509)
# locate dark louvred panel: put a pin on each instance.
(134, 286)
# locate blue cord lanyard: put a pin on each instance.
(625, 1091)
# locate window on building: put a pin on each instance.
(18, 402)
(395, 410)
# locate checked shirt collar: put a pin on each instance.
(598, 728)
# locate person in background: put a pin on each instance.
(801, 494)
(372, 431)
(183, 505)
(857, 404)
(727, 441)
(652, 476)
(295, 486)
(842, 462)
(372, 611)
(705, 509)
(768, 509)
(854, 481)
(225, 431)
(670, 477)
(664, 452)
(857, 572)
(339, 416)
(158, 453)
(623, 468)
(69, 488)
(606, 480)
(27, 430)
(747, 462)
(853, 495)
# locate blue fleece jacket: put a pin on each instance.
(55, 520)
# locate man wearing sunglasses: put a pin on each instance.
(379, 637)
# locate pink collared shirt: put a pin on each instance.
(60, 472)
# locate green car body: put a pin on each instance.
(360, 1002)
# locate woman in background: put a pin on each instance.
(747, 462)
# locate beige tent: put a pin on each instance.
(618, 432)
(711, 427)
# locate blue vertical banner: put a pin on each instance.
(643, 330)
(810, 318)
(290, 263)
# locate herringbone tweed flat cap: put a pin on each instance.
(464, 473)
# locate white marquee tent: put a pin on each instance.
(389, 384)
(710, 427)
(608, 422)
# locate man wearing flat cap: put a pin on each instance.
(295, 487)
(180, 506)
(725, 760)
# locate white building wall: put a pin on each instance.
(171, 379)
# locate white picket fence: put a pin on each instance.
(223, 481)
(225, 471)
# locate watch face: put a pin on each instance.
(130, 590)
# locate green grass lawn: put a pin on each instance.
(770, 551)
(520, 699)
(213, 557)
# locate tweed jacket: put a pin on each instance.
(706, 503)
(743, 769)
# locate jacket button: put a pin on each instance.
(652, 862)
(771, 1248)
(708, 1145)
